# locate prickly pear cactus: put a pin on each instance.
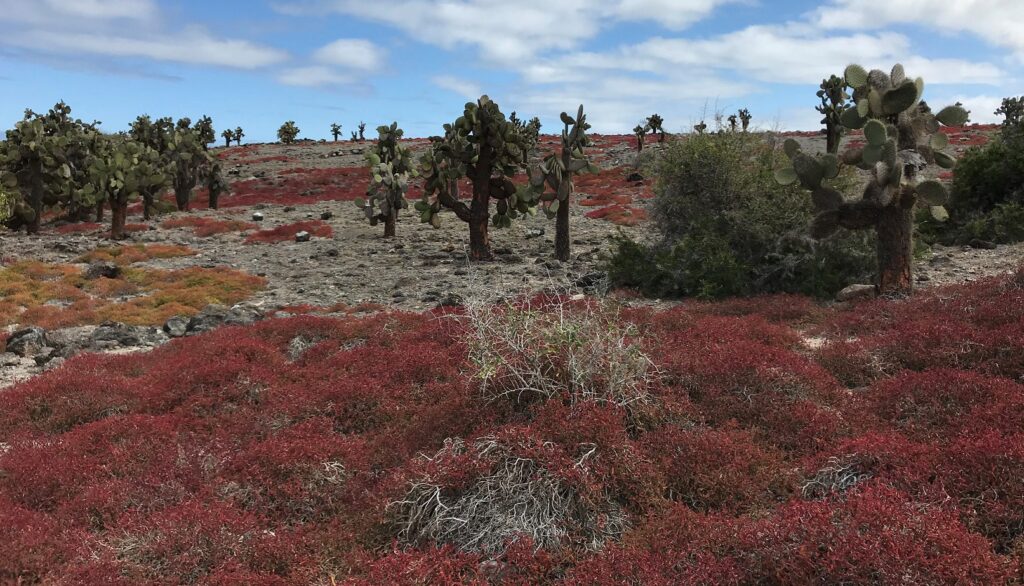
(657, 124)
(120, 171)
(391, 168)
(558, 172)
(902, 137)
(488, 150)
(834, 98)
(640, 131)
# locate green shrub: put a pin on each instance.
(726, 227)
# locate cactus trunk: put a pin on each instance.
(181, 197)
(118, 212)
(895, 252)
(562, 250)
(480, 209)
(99, 211)
(147, 205)
(389, 225)
(833, 134)
(36, 193)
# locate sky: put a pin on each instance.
(259, 63)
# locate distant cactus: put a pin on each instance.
(485, 148)
(733, 123)
(288, 132)
(529, 130)
(657, 124)
(355, 136)
(700, 128)
(335, 131)
(1012, 111)
(558, 172)
(833, 96)
(216, 186)
(640, 131)
(204, 129)
(362, 129)
(188, 161)
(239, 135)
(903, 136)
(391, 167)
(228, 137)
(745, 118)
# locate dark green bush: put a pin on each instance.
(726, 227)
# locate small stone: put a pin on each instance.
(326, 215)
(451, 300)
(257, 217)
(982, 244)
(856, 292)
(302, 236)
(43, 356)
(332, 253)
(102, 269)
(289, 208)
(634, 177)
(176, 327)
(55, 363)
(923, 278)
(534, 233)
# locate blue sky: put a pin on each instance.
(257, 63)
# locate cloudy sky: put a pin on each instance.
(257, 63)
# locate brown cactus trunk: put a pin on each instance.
(895, 252)
(147, 204)
(832, 139)
(480, 209)
(562, 250)
(36, 193)
(389, 225)
(118, 213)
(181, 197)
(99, 211)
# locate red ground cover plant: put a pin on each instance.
(79, 228)
(204, 227)
(287, 232)
(362, 450)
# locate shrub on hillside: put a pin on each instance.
(726, 227)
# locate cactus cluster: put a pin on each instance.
(745, 118)
(529, 130)
(391, 167)
(483, 146)
(558, 171)
(902, 137)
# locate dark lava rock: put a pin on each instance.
(303, 236)
(28, 342)
(102, 269)
(176, 327)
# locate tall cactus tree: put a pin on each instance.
(657, 124)
(216, 186)
(228, 136)
(558, 171)
(485, 148)
(122, 170)
(391, 167)
(204, 130)
(336, 131)
(38, 158)
(288, 132)
(362, 129)
(189, 161)
(903, 136)
(833, 96)
(745, 118)
(640, 132)
(239, 135)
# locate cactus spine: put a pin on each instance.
(558, 172)
(391, 167)
(902, 136)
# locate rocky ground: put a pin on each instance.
(418, 270)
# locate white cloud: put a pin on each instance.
(351, 54)
(194, 46)
(998, 22)
(123, 29)
(510, 33)
(462, 87)
(54, 12)
(314, 76)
